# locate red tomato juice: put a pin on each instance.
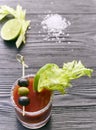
(35, 112)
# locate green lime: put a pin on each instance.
(11, 29)
(38, 74)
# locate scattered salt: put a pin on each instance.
(69, 42)
(67, 35)
(29, 27)
(39, 32)
(55, 25)
(51, 3)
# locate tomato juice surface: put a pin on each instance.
(38, 111)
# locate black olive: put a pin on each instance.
(23, 100)
(23, 82)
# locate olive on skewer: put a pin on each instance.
(23, 83)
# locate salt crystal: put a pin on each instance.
(67, 35)
(51, 3)
(39, 31)
(55, 25)
(69, 42)
(29, 27)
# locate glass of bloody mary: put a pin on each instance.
(33, 104)
(38, 112)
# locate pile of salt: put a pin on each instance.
(55, 25)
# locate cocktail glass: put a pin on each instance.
(38, 112)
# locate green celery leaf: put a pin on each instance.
(20, 13)
(76, 69)
(6, 10)
(21, 37)
(55, 78)
(19, 40)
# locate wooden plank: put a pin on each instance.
(76, 109)
(61, 6)
(63, 118)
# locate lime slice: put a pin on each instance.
(11, 29)
(37, 76)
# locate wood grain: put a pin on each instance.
(77, 109)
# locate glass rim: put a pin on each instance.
(26, 112)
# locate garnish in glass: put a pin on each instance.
(23, 83)
(52, 77)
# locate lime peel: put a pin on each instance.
(11, 29)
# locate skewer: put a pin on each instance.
(23, 110)
(20, 58)
(23, 73)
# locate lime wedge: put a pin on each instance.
(11, 29)
(38, 74)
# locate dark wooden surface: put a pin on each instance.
(77, 109)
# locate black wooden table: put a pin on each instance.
(75, 110)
